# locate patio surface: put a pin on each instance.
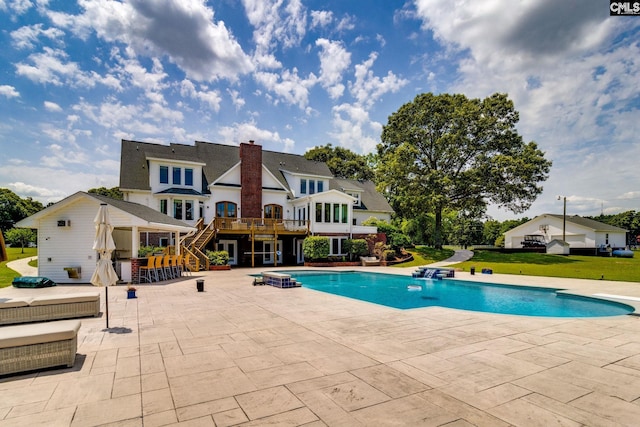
(239, 354)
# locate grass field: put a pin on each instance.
(424, 255)
(578, 267)
(6, 274)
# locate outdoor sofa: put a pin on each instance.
(369, 261)
(48, 307)
(37, 346)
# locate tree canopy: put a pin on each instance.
(114, 192)
(450, 152)
(342, 162)
(13, 208)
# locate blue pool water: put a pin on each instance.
(406, 292)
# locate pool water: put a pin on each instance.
(405, 292)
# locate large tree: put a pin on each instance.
(342, 162)
(449, 151)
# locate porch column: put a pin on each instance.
(135, 241)
(176, 239)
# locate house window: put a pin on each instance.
(320, 186)
(188, 176)
(312, 186)
(163, 206)
(606, 237)
(345, 213)
(177, 209)
(318, 212)
(336, 212)
(164, 174)
(327, 212)
(303, 186)
(226, 210)
(337, 245)
(177, 175)
(356, 202)
(188, 210)
(273, 211)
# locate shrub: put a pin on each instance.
(389, 255)
(145, 251)
(315, 248)
(356, 247)
(218, 257)
(499, 241)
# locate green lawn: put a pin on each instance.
(423, 255)
(534, 264)
(6, 274)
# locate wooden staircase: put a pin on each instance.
(194, 243)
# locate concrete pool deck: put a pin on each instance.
(239, 354)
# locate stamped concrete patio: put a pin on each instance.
(239, 354)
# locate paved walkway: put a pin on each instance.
(460, 255)
(22, 266)
(239, 354)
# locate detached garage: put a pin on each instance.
(579, 232)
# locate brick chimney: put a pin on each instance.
(251, 180)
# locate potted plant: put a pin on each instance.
(131, 292)
(218, 260)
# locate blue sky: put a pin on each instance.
(77, 77)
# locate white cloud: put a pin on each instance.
(184, 31)
(9, 91)
(354, 129)
(237, 100)
(52, 67)
(52, 106)
(321, 18)
(276, 22)
(210, 97)
(368, 88)
(288, 86)
(242, 132)
(346, 24)
(334, 60)
(26, 37)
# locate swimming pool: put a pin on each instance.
(405, 292)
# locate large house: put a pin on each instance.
(579, 233)
(258, 205)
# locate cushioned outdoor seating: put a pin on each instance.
(37, 346)
(32, 282)
(48, 307)
(369, 261)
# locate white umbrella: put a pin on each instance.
(104, 275)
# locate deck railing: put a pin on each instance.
(261, 225)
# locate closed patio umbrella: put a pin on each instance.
(103, 243)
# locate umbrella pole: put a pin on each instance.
(106, 296)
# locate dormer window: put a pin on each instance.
(188, 176)
(356, 202)
(320, 186)
(303, 186)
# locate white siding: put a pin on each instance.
(70, 246)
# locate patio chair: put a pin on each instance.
(159, 269)
(166, 267)
(147, 272)
(176, 265)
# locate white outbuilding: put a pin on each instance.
(66, 232)
(578, 232)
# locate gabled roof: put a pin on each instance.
(152, 217)
(577, 220)
(370, 199)
(218, 159)
(590, 223)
